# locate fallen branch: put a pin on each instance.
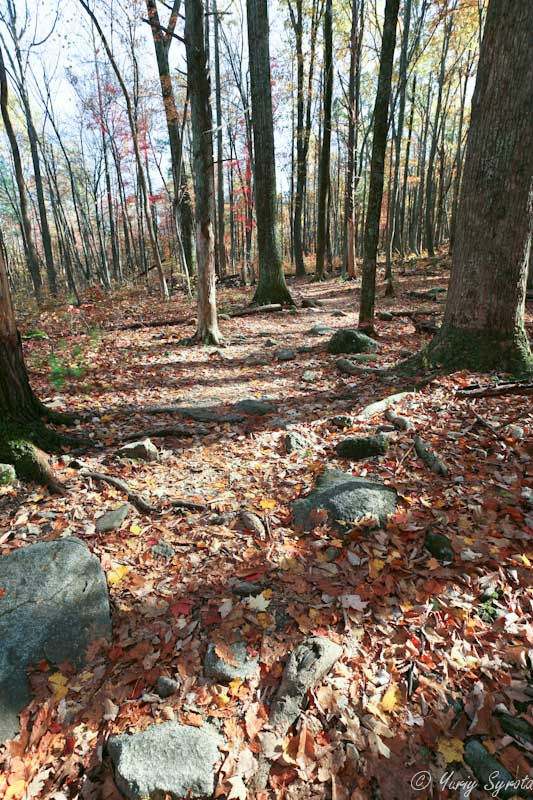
(135, 326)
(137, 499)
(430, 458)
(499, 390)
(244, 312)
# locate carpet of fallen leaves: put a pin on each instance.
(427, 657)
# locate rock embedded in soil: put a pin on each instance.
(349, 340)
(285, 354)
(162, 550)
(166, 687)
(341, 421)
(166, 759)
(321, 330)
(251, 522)
(345, 499)
(7, 474)
(113, 519)
(53, 605)
(144, 450)
(439, 546)
(253, 407)
(306, 666)
(217, 669)
(356, 448)
(310, 376)
(295, 442)
(490, 772)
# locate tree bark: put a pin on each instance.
(324, 179)
(377, 167)
(204, 184)
(483, 326)
(271, 287)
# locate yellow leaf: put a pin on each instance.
(376, 565)
(235, 685)
(526, 560)
(15, 789)
(391, 698)
(117, 575)
(451, 749)
(267, 504)
(222, 699)
(59, 685)
(135, 529)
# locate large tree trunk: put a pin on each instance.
(324, 179)
(377, 167)
(483, 325)
(204, 184)
(21, 427)
(271, 287)
(353, 112)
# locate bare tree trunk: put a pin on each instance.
(483, 325)
(271, 287)
(353, 111)
(204, 184)
(377, 168)
(324, 179)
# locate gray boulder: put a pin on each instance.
(285, 354)
(220, 670)
(55, 602)
(166, 687)
(162, 550)
(346, 499)
(167, 759)
(356, 448)
(7, 474)
(351, 341)
(144, 450)
(255, 407)
(113, 519)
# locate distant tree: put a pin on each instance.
(483, 326)
(29, 246)
(271, 287)
(204, 181)
(377, 165)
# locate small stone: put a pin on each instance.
(166, 759)
(251, 522)
(309, 376)
(162, 550)
(306, 348)
(7, 474)
(225, 317)
(285, 354)
(386, 429)
(165, 687)
(363, 447)
(247, 588)
(349, 340)
(339, 313)
(271, 343)
(144, 450)
(385, 316)
(294, 442)
(113, 519)
(440, 547)
(243, 667)
(255, 407)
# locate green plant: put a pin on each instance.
(72, 365)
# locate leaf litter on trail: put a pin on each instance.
(431, 650)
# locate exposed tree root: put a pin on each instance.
(499, 390)
(245, 312)
(137, 499)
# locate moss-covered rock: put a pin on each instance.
(356, 448)
(491, 775)
(349, 340)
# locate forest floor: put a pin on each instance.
(430, 650)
